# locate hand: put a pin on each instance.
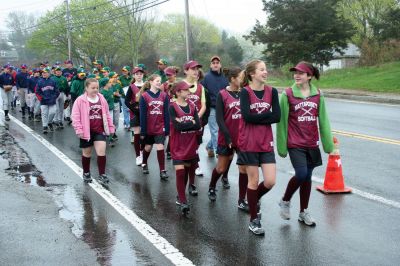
(80, 135)
(230, 145)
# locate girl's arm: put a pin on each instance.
(219, 111)
(282, 127)
(184, 126)
(325, 127)
(143, 116)
(166, 115)
(261, 119)
(203, 102)
(76, 118)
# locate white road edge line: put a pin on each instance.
(167, 249)
(363, 194)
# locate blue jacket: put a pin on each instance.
(47, 91)
(22, 80)
(214, 82)
(6, 79)
(32, 82)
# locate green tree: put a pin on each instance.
(301, 30)
(232, 48)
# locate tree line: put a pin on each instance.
(127, 32)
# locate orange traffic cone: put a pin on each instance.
(334, 180)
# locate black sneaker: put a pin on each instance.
(115, 137)
(145, 169)
(87, 178)
(37, 118)
(193, 190)
(7, 118)
(103, 179)
(256, 228)
(45, 130)
(225, 183)
(60, 125)
(184, 207)
(211, 194)
(168, 155)
(23, 115)
(164, 175)
(51, 128)
(243, 205)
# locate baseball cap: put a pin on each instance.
(46, 70)
(106, 69)
(170, 71)
(215, 57)
(57, 68)
(162, 61)
(302, 68)
(24, 66)
(103, 82)
(181, 86)
(126, 68)
(191, 64)
(137, 69)
(112, 74)
(68, 62)
(98, 62)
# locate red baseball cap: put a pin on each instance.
(191, 64)
(137, 69)
(170, 71)
(181, 86)
(302, 68)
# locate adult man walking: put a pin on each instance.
(214, 81)
(22, 86)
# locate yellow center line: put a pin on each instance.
(362, 136)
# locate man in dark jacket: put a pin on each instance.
(22, 83)
(6, 84)
(214, 81)
(47, 93)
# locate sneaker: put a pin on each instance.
(23, 116)
(211, 194)
(145, 169)
(184, 207)
(178, 202)
(45, 130)
(103, 179)
(61, 125)
(225, 183)
(37, 118)
(243, 205)
(306, 218)
(198, 172)
(87, 178)
(168, 155)
(164, 175)
(115, 137)
(139, 160)
(51, 128)
(7, 118)
(210, 153)
(193, 190)
(255, 227)
(285, 209)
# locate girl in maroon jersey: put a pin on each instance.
(154, 122)
(228, 116)
(303, 112)
(92, 122)
(184, 126)
(171, 73)
(198, 99)
(259, 105)
(132, 102)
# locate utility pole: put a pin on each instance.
(68, 29)
(187, 30)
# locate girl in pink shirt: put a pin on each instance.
(92, 122)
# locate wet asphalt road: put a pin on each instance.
(350, 230)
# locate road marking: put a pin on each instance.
(361, 193)
(167, 249)
(367, 137)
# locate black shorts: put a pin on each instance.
(150, 139)
(181, 162)
(83, 143)
(305, 157)
(255, 158)
(135, 122)
(226, 151)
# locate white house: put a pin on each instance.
(349, 58)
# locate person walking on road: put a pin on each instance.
(6, 84)
(162, 64)
(125, 80)
(62, 84)
(132, 102)
(32, 101)
(228, 117)
(154, 122)
(185, 124)
(214, 81)
(259, 105)
(303, 112)
(92, 123)
(47, 93)
(22, 83)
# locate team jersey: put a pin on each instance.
(255, 137)
(232, 116)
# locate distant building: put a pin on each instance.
(350, 58)
(8, 56)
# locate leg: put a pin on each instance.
(52, 113)
(180, 183)
(45, 115)
(252, 186)
(213, 126)
(116, 116)
(221, 167)
(100, 147)
(269, 174)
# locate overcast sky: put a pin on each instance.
(233, 15)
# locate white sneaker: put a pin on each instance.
(285, 209)
(139, 160)
(306, 218)
(198, 172)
